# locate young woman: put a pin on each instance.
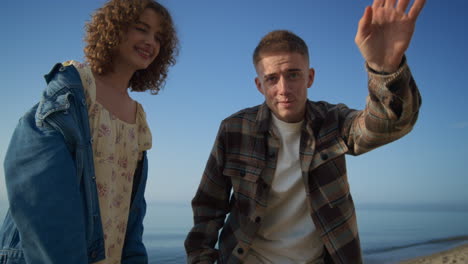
(76, 166)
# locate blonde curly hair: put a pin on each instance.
(107, 29)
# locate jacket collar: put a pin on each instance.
(62, 82)
(262, 120)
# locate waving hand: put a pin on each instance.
(385, 31)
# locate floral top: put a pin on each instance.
(117, 147)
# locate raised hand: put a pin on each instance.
(385, 31)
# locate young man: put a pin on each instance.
(284, 160)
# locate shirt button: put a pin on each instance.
(258, 219)
(93, 254)
(240, 251)
(324, 156)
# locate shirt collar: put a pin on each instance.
(264, 117)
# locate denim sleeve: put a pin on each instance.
(44, 195)
(134, 251)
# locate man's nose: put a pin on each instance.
(283, 86)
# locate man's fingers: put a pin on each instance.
(364, 24)
(402, 5)
(390, 3)
(378, 3)
(416, 9)
(366, 17)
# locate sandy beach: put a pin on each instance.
(457, 255)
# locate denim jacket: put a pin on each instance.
(54, 214)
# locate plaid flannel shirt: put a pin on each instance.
(240, 169)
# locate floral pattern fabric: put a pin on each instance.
(117, 147)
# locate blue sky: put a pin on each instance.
(214, 77)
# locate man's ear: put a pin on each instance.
(311, 77)
(259, 85)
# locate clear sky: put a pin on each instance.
(214, 77)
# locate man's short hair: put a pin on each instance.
(280, 41)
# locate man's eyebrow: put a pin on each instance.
(269, 75)
(275, 73)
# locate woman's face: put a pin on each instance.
(141, 43)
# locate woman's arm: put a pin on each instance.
(44, 195)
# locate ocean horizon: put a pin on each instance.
(389, 233)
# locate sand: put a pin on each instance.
(458, 255)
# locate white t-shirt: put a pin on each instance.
(287, 234)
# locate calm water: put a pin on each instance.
(388, 233)
(393, 233)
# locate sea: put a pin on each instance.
(389, 233)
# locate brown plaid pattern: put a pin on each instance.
(243, 160)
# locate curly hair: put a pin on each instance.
(280, 41)
(107, 30)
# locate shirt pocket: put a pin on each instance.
(244, 177)
(328, 150)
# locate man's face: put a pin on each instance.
(283, 78)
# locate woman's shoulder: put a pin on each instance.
(86, 77)
(144, 132)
